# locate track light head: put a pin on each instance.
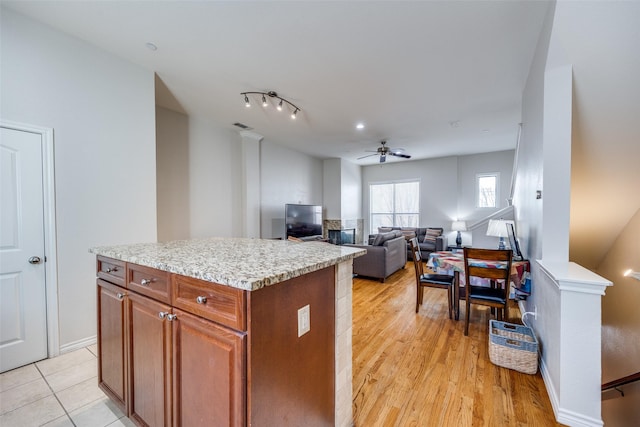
(246, 101)
(264, 101)
(293, 115)
(279, 107)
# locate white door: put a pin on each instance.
(23, 312)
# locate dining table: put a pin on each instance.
(452, 263)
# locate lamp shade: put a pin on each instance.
(498, 227)
(459, 226)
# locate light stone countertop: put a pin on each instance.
(242, 263)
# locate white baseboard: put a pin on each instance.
(565, 416)
(574, 419)
(76, 345)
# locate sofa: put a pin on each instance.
(430, 239)
(385, 255)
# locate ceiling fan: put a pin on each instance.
(384, 150)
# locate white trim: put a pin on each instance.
(77, 345)
(551, 391)
(565, 416)
(570, 276)
(50, 242)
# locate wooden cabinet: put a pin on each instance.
(179, 351)
(208, 373)
(112, 366)
(149, 352)
(164, 366)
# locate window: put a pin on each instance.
(487, 190)
(394, 204)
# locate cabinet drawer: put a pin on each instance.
(111, 270)
(212, 301)
(149, 281)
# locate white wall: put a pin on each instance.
(331, 185)
(447, 186)
(351, 190)
(199, 178)
(102, 111)
(468, 168)
(214, 180)
(287, 176)
(342, 189)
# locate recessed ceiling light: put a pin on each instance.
(360, 126)
(485, 130)
(151, 46)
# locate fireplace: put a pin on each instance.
(340, 237)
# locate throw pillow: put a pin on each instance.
(431, 235)
(408, 234)
(384, 229)
(378, 240)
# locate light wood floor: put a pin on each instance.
(420, 370)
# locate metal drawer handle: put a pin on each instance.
(145, 282)
(172, 317)
(162, 314)
(120, 295)
(201, 300)
(111, 270)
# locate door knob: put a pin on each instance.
(34, 260)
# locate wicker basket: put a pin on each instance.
(513, 346)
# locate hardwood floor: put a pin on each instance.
(418, 369)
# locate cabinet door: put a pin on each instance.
(112, 366)
(209, 372)
(149, 361)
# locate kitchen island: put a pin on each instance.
(226, 331)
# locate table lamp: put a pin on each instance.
(459, 226)
(498, 228)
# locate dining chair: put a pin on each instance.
(493, 264)
(442, 281)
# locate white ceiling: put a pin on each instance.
(407, 70)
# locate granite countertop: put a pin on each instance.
(242, 263)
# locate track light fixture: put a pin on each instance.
(271, 94)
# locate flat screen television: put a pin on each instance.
(303, 220)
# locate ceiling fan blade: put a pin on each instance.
(383, 158)
(404, 156)
(368, 155)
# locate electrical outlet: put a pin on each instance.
(304, 320)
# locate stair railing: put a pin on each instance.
(620, 382)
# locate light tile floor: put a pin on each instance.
(58, 392)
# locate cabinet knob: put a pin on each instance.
(111, 269)
(145, 282)
(120, 295)
(162, 314)
(172, 317)
(201, 300)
